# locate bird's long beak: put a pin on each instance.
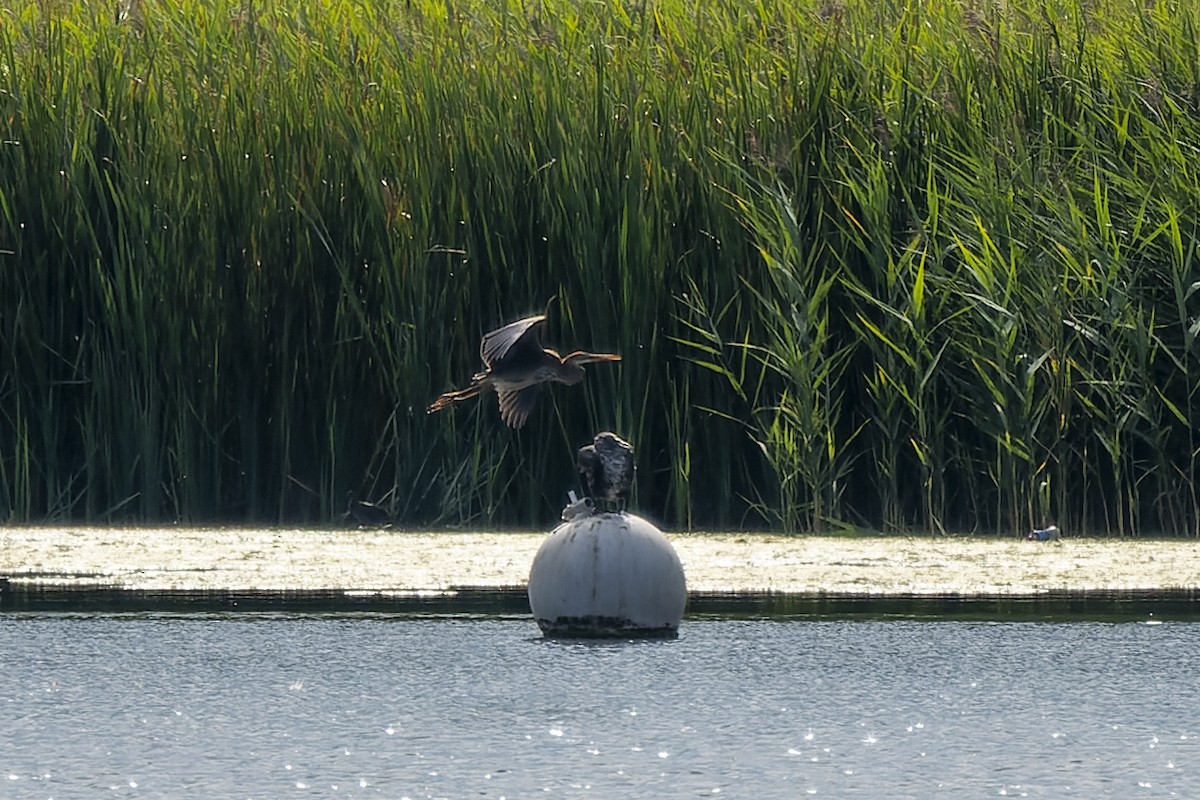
(582, 357)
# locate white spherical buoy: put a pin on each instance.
(609, 574)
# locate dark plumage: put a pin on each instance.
(516, 365)
(606, 469)
(365, 513)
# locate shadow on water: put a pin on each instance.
(1095, 605)
(1091, 605)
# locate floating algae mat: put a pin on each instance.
(485, 572)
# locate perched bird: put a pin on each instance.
(516, 365)
(365, 513)
(606, 470)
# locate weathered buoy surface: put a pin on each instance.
(609, 574)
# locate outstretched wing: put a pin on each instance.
(521, 335)
(515, 405)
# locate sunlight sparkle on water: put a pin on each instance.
(472, 727)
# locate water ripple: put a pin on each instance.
(393, 707)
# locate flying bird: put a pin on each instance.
(516, 365)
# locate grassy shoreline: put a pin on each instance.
(909, 265)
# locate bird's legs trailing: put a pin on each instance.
(479, 384)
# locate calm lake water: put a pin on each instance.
(276, 706)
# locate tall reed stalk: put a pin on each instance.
(910, 265)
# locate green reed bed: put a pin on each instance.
(906, 265)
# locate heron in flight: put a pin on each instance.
(516, 365)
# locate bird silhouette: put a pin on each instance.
(366, 513)
(606, 470)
